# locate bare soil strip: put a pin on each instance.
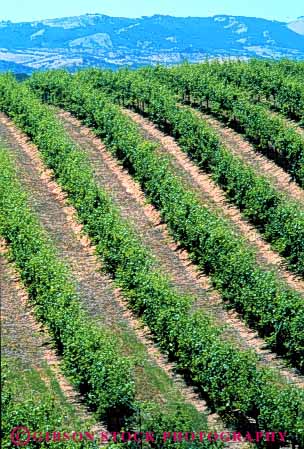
(213, 196)
(239, 146)
(101, 299)
(174, 261)
(28, 342)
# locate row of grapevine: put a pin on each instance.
(91, 355)
(263, 81)
(269, 306)
(280, 221)
(268, 133)
(214, 365)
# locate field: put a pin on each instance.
(152, 255)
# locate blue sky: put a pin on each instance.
(27, 10)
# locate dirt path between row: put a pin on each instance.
(185, 276)
(239, 146)
(28, 341)
(213, 196)
(100, 298)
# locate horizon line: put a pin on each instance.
(148, 16)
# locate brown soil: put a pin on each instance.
(175, 262)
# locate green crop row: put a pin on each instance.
(268, 133)
(265, 303)
(280, 220)
(231, 379)
(263, 81)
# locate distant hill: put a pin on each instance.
(12, 66)
(99, 40)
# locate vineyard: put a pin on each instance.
(152, 256)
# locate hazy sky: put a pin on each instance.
(27, 10)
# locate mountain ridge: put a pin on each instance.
(105, 41)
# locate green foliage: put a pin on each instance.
(264, 302)
(90, 354)
(280, 220)
(277, 84)
(199, 85)
(193, 341)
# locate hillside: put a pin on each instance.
(152, 256)
(99, 40)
